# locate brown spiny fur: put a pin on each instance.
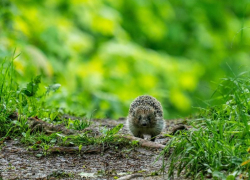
(145, 117)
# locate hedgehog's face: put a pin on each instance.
(144, 116)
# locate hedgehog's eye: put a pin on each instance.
(140, 118)
(149, 118)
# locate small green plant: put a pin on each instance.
(80, 148)
(108, 136)
(45, 148)
(134, 144)
(109, 133)
(64, 138)
(80, 124)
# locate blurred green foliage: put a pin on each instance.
(105, 53)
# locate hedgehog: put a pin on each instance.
(145, 117)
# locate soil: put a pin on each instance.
(19, 162)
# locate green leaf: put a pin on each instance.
(115, 129)
(60, 135)
(230, 177)
(16, 123)
(24, 134)
(219, 175)
(32, 87)
(53, 88)
(80, 147)
(53, 140)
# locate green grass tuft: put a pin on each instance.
(218, 143)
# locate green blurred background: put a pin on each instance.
(105, 53)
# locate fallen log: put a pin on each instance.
(143, 142)
(36, 124)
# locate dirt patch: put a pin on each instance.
(17, 162)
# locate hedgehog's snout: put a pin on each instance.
(144, 122)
